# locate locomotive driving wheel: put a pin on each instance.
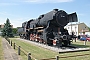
(65, 43)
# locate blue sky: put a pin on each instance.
(19, 11)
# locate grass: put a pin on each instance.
(80, 44)
(1, 50)
(40, 53)
(17, 36)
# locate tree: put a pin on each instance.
(14, 30)
(7, 30)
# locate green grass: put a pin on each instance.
(80, 44)
(1, 50)
(17, 36)
(40, 53)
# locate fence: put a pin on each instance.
(57, 57)
(20, 49)
(29, 54)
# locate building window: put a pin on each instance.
(76, 32)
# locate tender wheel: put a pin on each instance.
(50, 42)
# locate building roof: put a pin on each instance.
(75, 24)
(2, 26)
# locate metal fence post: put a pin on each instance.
(29, 57)
(75, 39)
(11, 42)
(14, 46)
(19, 50)
(57, 57)
(85, 42)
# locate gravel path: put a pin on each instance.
(9, 53)
(60, 50)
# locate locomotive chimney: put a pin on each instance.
(55, 9)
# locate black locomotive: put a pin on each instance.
(49, 28)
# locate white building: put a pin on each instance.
(78, 28)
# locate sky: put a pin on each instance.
(19, 11)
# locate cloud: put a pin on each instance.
(47, 1)
(17, 22)
(2, 20)
(17, 2)
(4, 13)
(81, 14)
(7, 4)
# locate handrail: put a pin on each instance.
(66, 56)
(24, 51)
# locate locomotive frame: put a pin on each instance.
(49, 28)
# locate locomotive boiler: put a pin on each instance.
(49, 28)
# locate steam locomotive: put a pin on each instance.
(49, 28)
